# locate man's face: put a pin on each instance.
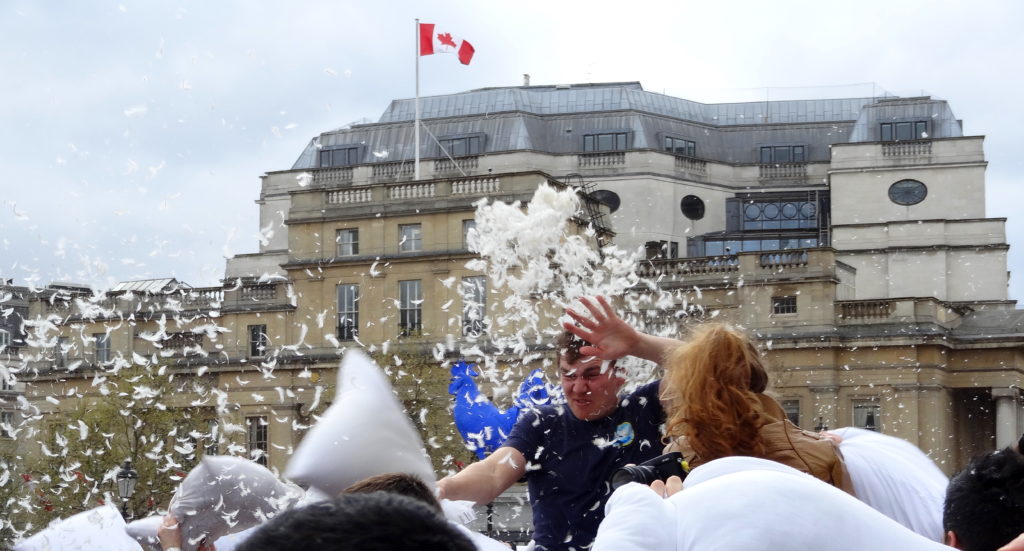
(592, 393)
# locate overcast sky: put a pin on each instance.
(135, 132)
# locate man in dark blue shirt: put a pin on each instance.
(568, 452)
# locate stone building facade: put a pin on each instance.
(849, 235)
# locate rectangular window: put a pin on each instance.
(6, 384)
(896, 131)
(867, 415)
(410, 238)
(474, 304)
(257, 438)
(60, 353)
(680, 146)
(654, 250)
(102, 345)
(6, 424)
(347, 156)
(348, 242)
(258, 341)
(467, 226)
(792, 409)
(410, 312)
(783, 154)
(784, 305)
(348, 311)
(183, 340)
(461, 147)
(612, 141)
(212, 438)
(5, 339)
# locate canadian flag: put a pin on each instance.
(432, 42)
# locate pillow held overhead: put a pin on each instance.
(364, 433)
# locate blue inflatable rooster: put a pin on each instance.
(482, 425)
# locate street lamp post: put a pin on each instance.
(127, 478)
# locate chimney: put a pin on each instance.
(526, 79)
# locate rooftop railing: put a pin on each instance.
(907, 149)
(691, 164)
(782, 170)
(610, 158)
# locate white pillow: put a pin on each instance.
(364, 433)
(636, 518)
(99, 528)
(145, 531)
(231, 541)
(224, 495)
(779, 509)
(896, 478)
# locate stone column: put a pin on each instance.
(1007, 431)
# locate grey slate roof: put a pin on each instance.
(991, 323)
(152, 286)
(554, 119)
(586, 98)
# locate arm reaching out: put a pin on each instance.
(484, 480)
(613, 338)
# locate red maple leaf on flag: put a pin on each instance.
(446, 39)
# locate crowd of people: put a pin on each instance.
(752, 478)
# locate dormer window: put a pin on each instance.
(783, 154)
(342, 156)
(679, 146)
(900, 131)
(610, 141)
(462, 146)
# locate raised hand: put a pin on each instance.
(610, 336)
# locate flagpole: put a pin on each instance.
(416, 123)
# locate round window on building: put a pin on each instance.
(907, 192)
(752, 212)
(692, 207)
(609, 198)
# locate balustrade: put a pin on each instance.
(907, 149)
(869, 309)
(689, 164)
(464, 163)
(782, 170)
(412, 191)
(328, 177)
(784, 259)
(390, 170)
(610, 158)
(476, 186)
(342, 196)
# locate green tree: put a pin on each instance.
(136, 416)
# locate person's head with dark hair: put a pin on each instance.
(377, 521)
(396, 483)
(985, 502)
(569, 346)
(591, 386)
